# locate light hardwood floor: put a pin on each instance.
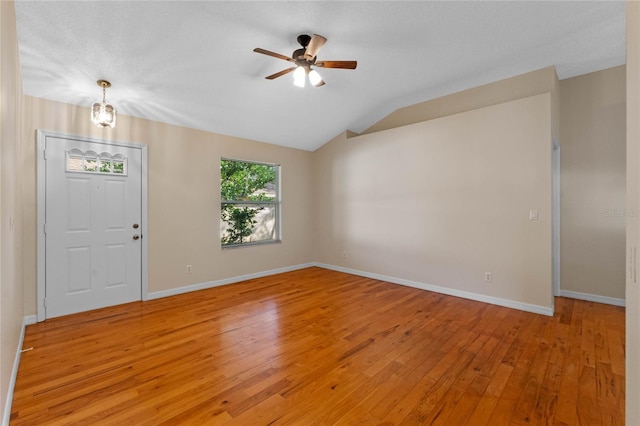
(321, 347)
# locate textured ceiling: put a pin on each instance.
(192, 64)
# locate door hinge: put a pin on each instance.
(44, 154)
(45, 228)
(44, 302)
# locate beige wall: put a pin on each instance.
(184, 197)
(11, 297)
(444, 201)
(632, 375)
(521, 86)
(593, 176)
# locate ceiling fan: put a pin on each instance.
(305, 59)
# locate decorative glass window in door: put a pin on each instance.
(92, 162)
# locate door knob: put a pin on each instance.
(135, 226)
(136, 236)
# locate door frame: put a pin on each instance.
(42, 136)
(555, 160)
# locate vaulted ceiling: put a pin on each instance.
(192, 64)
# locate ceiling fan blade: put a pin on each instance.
(280, 73)
(274, 54)
(348, 65)
(317, 41)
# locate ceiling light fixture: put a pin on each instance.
(103, 114)
(304, 59)
(300, 75)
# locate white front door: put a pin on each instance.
(93, 215)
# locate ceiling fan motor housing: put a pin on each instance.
(298, 55)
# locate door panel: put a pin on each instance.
(78, 191)
(116, 256)
(91, 258)
(116, 205)
(79, 269)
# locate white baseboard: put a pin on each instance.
(593, 298)
(536, 309)
(28, 320)
(217, 283)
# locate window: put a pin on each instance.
(91, 162)
(249, 210)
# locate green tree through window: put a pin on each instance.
(249, 207)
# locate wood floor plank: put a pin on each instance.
(487, 404)
(322, 347)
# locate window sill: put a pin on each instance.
(258, 243)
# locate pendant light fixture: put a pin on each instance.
(103, 114)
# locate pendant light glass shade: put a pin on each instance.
(314, 78)
(103, 114)
(299, 76)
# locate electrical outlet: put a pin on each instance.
(488, 276)
(344, 254)
(188, 269)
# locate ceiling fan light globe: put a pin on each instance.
(299, 77)
(314, 78)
